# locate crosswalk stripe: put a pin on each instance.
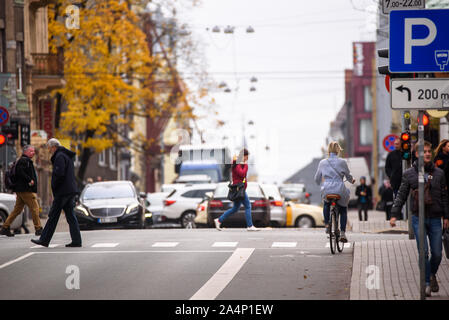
(347, 245)
(105, 245)
(225, 244)
(50, 246)
(284, 244)
(165, 244)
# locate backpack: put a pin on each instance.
(10, 176)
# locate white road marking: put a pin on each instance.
(165, 244)
(135, 251)
(284, 244)
(212, 288)
(225, 244)
(105, 245)
(347, 245)
(50, 246)
(16, 260)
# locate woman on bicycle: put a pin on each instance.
(330, 174)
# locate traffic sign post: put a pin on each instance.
(420, 93)
(421, 233)
(418, 40)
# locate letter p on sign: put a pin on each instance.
(409, 42)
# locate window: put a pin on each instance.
(19, 63)
(368, 99)
(202, 193)
(77, 157)
(112, 158)
(102, 158)
(366, 132)
(189, 194)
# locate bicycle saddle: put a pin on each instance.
(333, 197)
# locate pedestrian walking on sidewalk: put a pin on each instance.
(63, 185)
(239, 171)
(25, 187)
(330, 174)
(393, 166)
(436, 207)
(387, 197)
(364, 194)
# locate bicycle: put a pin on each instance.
(334, 230)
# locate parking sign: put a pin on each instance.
(419, 40)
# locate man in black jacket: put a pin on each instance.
(436, 207)
(393, 166)
(364, 194)
(63, 186)
(25, 188)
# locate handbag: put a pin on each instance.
(236, 191)
(445, 239)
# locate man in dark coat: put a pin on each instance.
(64, 188)
(364, 194)
(435, 208)
(393, 166)
(25, 187)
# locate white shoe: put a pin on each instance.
(252, 228)
(217, 224)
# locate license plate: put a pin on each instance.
(107, 220)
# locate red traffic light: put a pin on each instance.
(425, 120)
(2, 139)
(405, 136)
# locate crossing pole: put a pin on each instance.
(421, 234)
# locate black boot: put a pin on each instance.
(6, 232)
(38, 232)
(39, 242)
(73, 245)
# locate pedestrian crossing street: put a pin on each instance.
(169, 244)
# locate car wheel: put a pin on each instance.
(188, 220)
(305, 222)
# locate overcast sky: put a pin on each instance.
(298, 53)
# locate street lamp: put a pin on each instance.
(216, 29)
(229, 29)
(250, 30)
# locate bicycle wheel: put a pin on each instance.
(332, 234)
(340, 245)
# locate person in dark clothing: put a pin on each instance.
(442, 154)
(239, 171)
(387, 197)
(25, 188)
(393, 166)
(436, 207)
(64, 188)
(364, 194)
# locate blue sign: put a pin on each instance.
(419, 40)
(4, 115)
(388, 142)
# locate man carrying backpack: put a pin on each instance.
(25, 187)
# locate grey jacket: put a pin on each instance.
(330, 175)
(440, 205)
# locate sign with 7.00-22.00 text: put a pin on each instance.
(420, 93)
(389, 5)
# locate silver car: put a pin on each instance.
(277, 204)
(7, 202)
(110, 204)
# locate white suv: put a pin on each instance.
(181, 204)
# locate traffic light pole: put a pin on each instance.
(421, 235)
(405, 166)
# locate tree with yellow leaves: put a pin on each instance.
(106, 64)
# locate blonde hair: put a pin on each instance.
(334, 147)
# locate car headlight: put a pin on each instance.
(132, 209)
(82, 210)
(148, 214)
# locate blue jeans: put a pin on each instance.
(343, 211)
(236, 207)
(433, 230)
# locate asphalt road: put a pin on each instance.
(272, 264)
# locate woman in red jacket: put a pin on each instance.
(239, 172)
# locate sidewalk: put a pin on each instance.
(396, 264)
(376, 223)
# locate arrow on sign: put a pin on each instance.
(402, 88)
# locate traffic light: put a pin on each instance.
(385, 69)
(406, 145)
(2, 140)
(425, 120)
